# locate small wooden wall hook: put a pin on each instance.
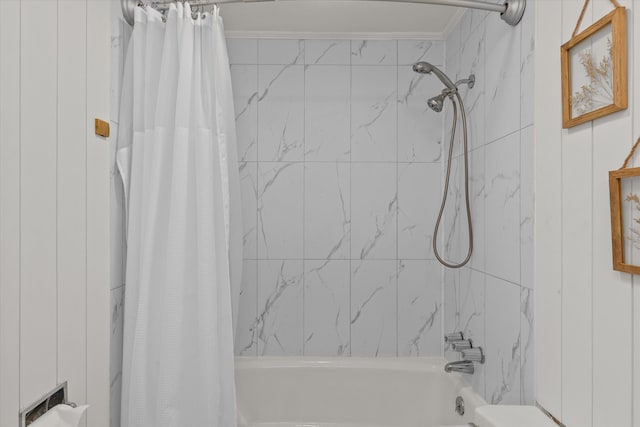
(102, 128)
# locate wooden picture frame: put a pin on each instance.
(625, 238)
(594, 70)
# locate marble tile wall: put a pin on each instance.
(341, 169)
(491, 298)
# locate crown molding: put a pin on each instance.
(452, 23)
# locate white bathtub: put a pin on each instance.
(350, 392)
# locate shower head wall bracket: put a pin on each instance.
(471, 81)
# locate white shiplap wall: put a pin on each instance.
(584, 309)
(54, 204)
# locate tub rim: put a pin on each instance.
(420, 364)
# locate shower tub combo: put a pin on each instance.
(351, 392)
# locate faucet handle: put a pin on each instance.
(473, 354)
(461, 345)
(453, 337)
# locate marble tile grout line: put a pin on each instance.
(304, 186)
(397, 203)
(257, 267)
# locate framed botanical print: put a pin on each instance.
(624, 193)
(594, 70)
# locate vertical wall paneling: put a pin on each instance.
(98, 21)
(72, 327)
(38, 129)
(634, 102)
(612, 299)
(548, 261)
(595, 303)
(9, 211)
(54, 204)
(612, 302)
(577, 195)
(635, 408)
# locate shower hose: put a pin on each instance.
(446, 185)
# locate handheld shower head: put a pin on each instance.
(426, 68)
(422, 67)
(437, 102)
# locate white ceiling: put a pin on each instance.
(338, 19)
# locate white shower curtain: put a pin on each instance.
(177, 159)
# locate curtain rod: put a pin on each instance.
(511, 11)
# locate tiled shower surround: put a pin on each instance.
(342, 171)
(491, 299)
(341, 168)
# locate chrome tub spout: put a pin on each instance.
(464, 366)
